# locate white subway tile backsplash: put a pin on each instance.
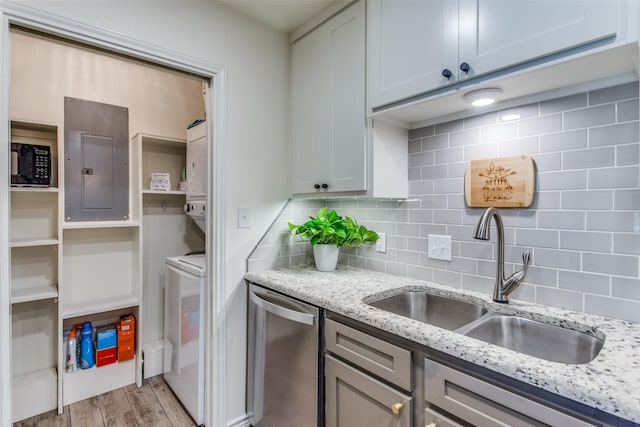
(589, 199)
(565, 103)
(560, 298)
(567, 260)
(627, 200)
(538, 238)
(623, 287)
(584, 282)
(480, 151)
(590, 116)
(620, 177)
(624, 133)
(613, 221)
(626, 243)
(628, 111)
(437, 142)
(569, 180)
(421, 159)
(448, 127)
(612, 94)
(585, 241)
(449, 155)
(613, 307)
(465, 137)
(518, 146)
(540, 125)
(563, 141)
(627, 155)
(590, 158)
(583, 226)
(620, 265)
(500, 131)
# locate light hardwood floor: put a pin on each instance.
(153, 404)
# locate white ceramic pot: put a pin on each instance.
(326, 257)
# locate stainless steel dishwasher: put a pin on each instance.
(285, 384)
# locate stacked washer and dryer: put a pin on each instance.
(184, 317)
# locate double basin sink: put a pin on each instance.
(537, 339)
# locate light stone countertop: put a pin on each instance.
(610, 383)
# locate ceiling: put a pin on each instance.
(283, 15)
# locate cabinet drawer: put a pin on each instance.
(434, 419)
(481, 403)
(379, 357)
(355, 399)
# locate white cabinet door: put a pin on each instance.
(328, 104)
(494, 34)
(410, 44)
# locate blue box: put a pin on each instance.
(105, 337)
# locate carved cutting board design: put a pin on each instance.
(501, 182)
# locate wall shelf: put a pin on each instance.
(35, 189)
(169, 193)
(85, 308)
(34, 293)
(99, 224)
(27, 243)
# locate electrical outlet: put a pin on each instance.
(244, 218)
(439, 247)
(381, 243)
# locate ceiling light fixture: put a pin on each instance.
(482, 97)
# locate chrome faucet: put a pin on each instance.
(503, 286)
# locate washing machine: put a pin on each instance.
(184, 328)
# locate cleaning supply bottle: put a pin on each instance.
(71, 364)
(87, 356)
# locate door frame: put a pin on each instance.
(216, 106)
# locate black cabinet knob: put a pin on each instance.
(316, 186)
(465, 67)
(446, 73)
(325, 186)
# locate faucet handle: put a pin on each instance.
(526, 259)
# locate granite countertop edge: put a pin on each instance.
(609, 383)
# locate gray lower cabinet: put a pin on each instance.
(483, 404)
(355, 399)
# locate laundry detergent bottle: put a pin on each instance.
(87, 357)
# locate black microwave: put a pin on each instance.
(30, 165)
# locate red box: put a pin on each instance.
(126, 337)
(105, 356)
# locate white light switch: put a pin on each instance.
(439, 247)
(244, 218)
(381, 243)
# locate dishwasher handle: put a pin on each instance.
(280, 311)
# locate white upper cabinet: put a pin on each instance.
(416, 47)
(328, 105)
(494, 34)
(409, 45)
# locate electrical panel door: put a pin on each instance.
(96, 145)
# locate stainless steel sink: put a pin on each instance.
(443, 312)
(534, 338)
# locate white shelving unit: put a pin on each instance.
(63, 274)
(34, 282)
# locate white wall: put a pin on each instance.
(256, 60)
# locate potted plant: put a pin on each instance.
(327, 232)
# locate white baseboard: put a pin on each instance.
(243, 421)
(153, 353)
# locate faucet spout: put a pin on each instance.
(503, 286)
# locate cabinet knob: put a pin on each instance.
(325, 186)
(396, 408)
(465, 67)
(446, 73)
(316, 186)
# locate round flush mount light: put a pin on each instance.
(482, 97)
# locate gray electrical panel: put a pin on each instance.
(96, 170)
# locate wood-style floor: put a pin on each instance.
(153, 404)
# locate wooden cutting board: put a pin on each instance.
(501, 182)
